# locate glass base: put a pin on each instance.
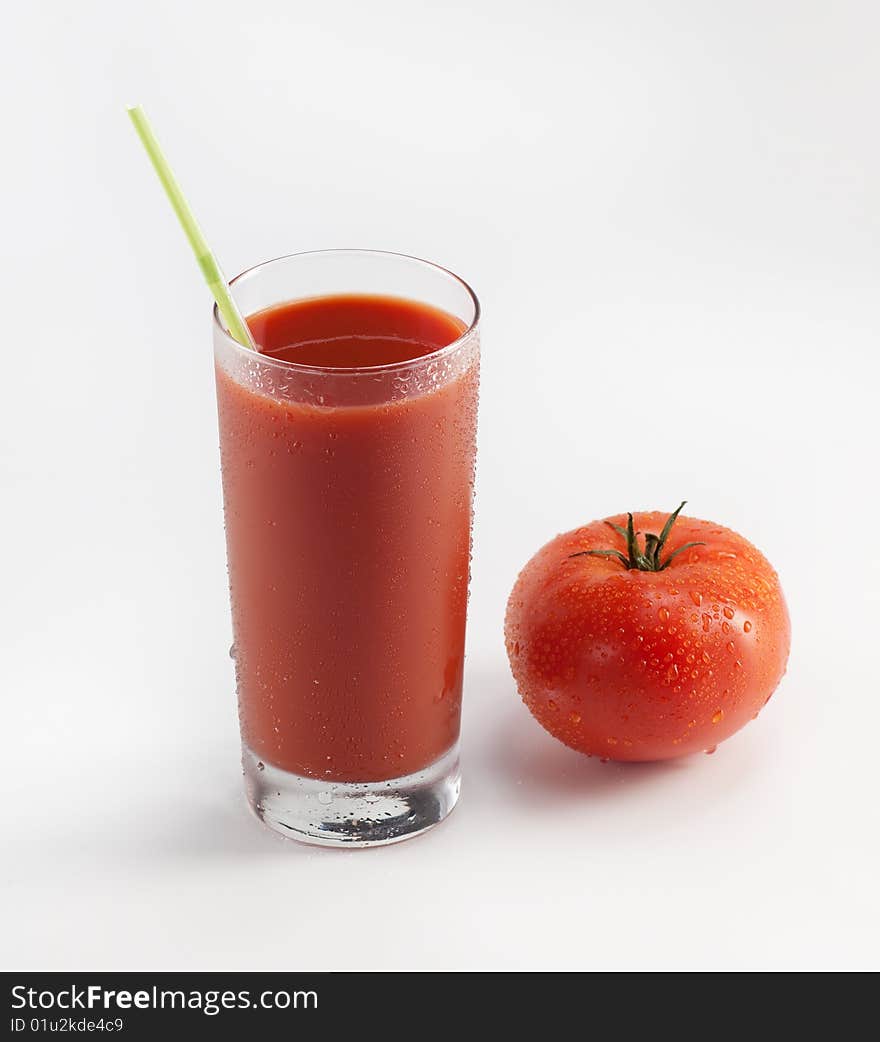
(351, 814)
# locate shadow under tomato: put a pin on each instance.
(513, 751)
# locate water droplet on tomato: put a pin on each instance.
(712, 750)
(730, 647)
(717, 716)
(552, 705)
(728, 612)
(663, 615)
(574, 717)
(747, 626)
(696, 597)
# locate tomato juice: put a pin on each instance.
(347, 451)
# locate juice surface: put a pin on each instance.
(348, 535)
(352, 331)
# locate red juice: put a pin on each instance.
(348, 518)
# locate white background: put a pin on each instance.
(671, 213)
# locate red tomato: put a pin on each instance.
(647, 642)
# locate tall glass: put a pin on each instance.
(348, 500)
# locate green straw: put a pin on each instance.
(207, 261)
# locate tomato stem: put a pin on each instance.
(649, 559)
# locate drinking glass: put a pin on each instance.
(348, 502)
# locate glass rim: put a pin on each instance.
(300, 367)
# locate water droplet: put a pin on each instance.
(706, 657)
(717, 716)
(611, 741)
(747, 626)
(696, 597)
(261, 766)
(552, 705)
(728, 612)
(707, 622)
(712, 750)
(325, 797)
(730, 647)
(725, 627)
(575, 718)
(663, 615)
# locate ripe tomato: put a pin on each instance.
(625, 649)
